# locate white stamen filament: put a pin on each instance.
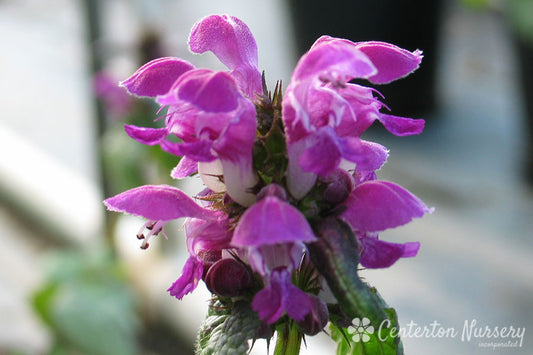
(154, 228)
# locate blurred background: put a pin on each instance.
(73, 279)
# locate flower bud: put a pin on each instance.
(228, 278)
(317, 319)
(339, 186)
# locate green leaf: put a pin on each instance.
(374, 341)
(227, 329)
(87, 305)
(98, 319)
(336, 256)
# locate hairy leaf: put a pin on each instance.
(227, 329)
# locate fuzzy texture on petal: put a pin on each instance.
(186, 167)
(327, 151)
(213, 234)
(333, 58)
(188, 281)
(402, 126)
(207, 90)
(371, 156)
(157, 203)
(271, 221)
(391, 61)
(311, 99)
(376, 253)
(232, 42)
(199, 150)
(378, 205)
(281, 296)
(146, 135)
(156, 77)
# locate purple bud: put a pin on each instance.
(228, 278)
(317, 319)
(339, 185)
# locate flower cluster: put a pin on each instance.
(274, 164)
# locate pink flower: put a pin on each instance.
(212, 113)
(324, 114)
(274, 168)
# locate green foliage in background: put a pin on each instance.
(88, 305)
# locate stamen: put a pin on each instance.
(154, 228)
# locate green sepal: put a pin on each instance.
(227, 329)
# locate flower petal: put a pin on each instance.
(232, 42)
(268, 303)
(402, 126)
(391, 61)
(333, 59)
(281, 296)
(265, 258)
(213, 234)
(186, 167)
(209, 91)
(381, 254)
(146, 135)
(199, 150)
(368, 156)
(157, 203)
(271, 221)
(324, 154)
(188, 281)
(379, 205)
(299, 182)
(156, 77)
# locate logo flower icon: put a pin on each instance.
(361, 329)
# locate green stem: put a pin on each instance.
(289, 340)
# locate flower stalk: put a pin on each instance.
(289, 340)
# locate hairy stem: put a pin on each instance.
(289, 340)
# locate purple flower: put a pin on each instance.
(281, 296)
(234, 45)
(374, 206)
(116, 101)
(204, 237)
(207, 229)
(272, 233)
(159, 204)
(324, 115)
(210, 112)
(271, 221)
(248, 237)
(190, 276)
(156, 77)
